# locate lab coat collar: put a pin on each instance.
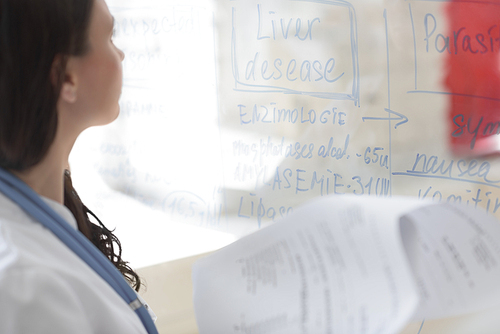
(62, 211)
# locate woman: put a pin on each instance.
(60, 73)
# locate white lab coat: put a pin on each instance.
(46, 288)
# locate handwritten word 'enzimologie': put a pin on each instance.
(273, 114)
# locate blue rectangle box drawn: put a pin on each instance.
(242, 86)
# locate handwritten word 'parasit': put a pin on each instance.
(462, 40)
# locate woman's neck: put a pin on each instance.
(46, 181)
(47, 177)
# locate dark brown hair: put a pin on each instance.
(35, 37)
(100, 236)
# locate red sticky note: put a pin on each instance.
(473, 76)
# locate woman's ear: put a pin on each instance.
(64, 75)
(68, 89)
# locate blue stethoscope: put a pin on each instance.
(20, 193)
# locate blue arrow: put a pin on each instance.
(400, 116)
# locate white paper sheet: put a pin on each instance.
(345, 264)
(454, 252)
(336, 265)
